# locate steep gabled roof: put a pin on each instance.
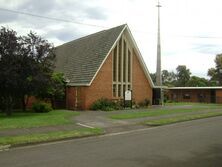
(80, 60)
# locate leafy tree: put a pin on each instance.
(40, 67)
(197, 82)
(168, 78)
(216, 73)
(56, 90)
(26, 66)
(10, 49)
(183, 75)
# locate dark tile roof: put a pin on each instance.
(80, 59)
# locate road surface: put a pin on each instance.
(195, 144)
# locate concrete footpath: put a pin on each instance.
(99, 119)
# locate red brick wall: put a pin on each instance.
(102, 86)
(219, 96)
(141, 88)
(194, 95)
(70, 98)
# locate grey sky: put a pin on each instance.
(191, 30)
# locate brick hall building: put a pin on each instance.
(195, 94)
(103, 65)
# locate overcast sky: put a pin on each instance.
(191, 30)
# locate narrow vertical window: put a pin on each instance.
(124, 89)
(114, 90)
(124, 61)
(122, 67)
(129, 66)
(114, 63)
(120, 60)
(119, 90)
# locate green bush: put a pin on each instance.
(104, 105)
(41, 107)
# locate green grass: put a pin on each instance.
(28, 120)
(166, 121)
(191, 104)
(52, 136)
(159, 112)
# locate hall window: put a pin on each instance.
(186, 96)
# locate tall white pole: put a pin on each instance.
(158, 67)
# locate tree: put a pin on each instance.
(183, 75)
(216, 73)
(9, 52)
(26, 66)
(168, 78)
(41, 66)
(56, 89)
(197, 82)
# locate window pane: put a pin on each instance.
(124, 61)
(129, 66)
(114, 63)
(114, 90)
(120, 60)
(124, 89)
(119, 90)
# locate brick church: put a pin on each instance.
(103, 65)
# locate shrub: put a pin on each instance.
(104, 105)
(41, 107)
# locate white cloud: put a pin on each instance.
(183, 24)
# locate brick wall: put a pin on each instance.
(219, 96)
(102, 87)
(178, 95)
(141, 87)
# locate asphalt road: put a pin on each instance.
(194, 144)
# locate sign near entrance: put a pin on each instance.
(128, 95)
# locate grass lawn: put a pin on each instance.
(51, 136)
(192, 104)
(165, 121)
(28, 120)
(165, 111)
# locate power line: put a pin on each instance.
(94, 25)
(50, 18)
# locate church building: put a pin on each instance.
(103, 65)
